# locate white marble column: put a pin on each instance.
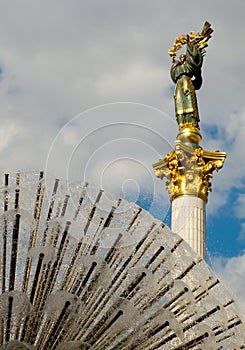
(189, 221)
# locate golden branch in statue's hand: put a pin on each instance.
(198, 39)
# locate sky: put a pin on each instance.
(85, 93)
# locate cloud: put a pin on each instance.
(8, 132)
(232, 271)
(116, 155)
(240, 206)
(241, 236)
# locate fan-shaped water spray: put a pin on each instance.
(81, 269)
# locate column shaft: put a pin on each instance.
(189, 221)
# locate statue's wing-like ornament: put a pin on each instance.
(200, 40)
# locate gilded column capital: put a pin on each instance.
(189, 170)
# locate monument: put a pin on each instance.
(188, 169)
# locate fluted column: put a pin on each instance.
(189, 221)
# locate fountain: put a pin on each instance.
(82, 269)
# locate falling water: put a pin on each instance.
(81, 269)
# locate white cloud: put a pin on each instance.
(240, 206)
(232, 272)
(130, 83)
(241, 236)
(8, 132)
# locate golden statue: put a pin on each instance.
(186, 74)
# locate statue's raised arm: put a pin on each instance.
(186, 74)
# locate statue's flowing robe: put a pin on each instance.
(187, 76)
